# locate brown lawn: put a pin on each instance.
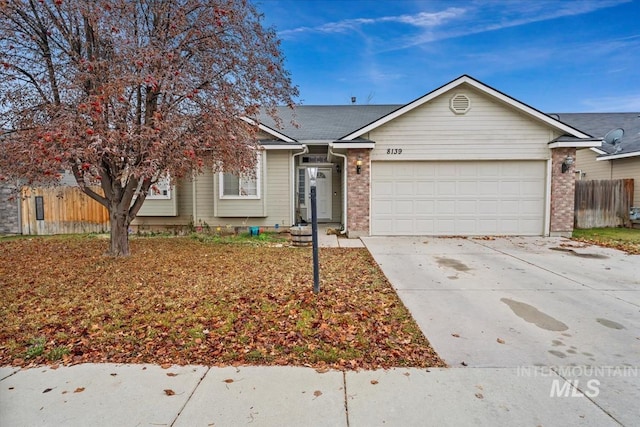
(187, 301)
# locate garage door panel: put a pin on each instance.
(510, 188)
(404, 207)
(488, 207)
(509, 207)
(489, 188)
(446, 188)
(445, 207)
(463, 206)
(463, 198)
(405, 188)
(383, 189)
(467, 188)
(426, 188)
(424, 226)
(424, 207)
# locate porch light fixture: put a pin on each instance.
(568, 161)
(359, 165)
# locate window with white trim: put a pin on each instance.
(160, 190)
(234, 186)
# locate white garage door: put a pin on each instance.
(458, 198)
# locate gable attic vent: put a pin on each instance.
(460, 103)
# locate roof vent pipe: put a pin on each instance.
(353, 99)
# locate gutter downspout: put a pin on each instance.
(344, 188)
(305, 150)
(194, 206)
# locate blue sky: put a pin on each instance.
(557, 56)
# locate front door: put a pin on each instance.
(324, 193)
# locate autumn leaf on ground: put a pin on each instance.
(374, 382)
(79, 390)
(317, 393)
(169, 392)
(172, 374)
(500, 341)
(228, 381)
(256, 307)
(455, 335)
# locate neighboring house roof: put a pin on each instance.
(599, 124)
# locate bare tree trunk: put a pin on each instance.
(119, 240)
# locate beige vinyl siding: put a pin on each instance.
(627, 168)
(336, 202)
(242, 207)
(182, 196)
(489, 130)
(278, 189)
(161, 207)
(593, 169)
(274, 205)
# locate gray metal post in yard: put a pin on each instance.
(313, 173)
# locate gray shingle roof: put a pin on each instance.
(331, 122)
(598, 124)
(326, 122)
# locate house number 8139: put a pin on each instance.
(394, 150)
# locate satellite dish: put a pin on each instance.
(614, 136)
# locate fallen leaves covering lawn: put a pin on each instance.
(182, 301)
(624, 239)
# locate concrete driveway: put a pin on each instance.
(530, 309)
(512, 302)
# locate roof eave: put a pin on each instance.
(583, 143)
(352, 144)
(269, 130)
(619, 156)
(280, 146)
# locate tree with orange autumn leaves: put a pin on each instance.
(125, 92)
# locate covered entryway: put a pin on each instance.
(458, 198)
(324, 192)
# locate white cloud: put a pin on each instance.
(613, 104)
(427, 19)
(420, 20)
(466, 19)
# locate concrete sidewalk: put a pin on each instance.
(147, 395)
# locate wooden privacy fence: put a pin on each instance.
(62, 210)
(603, 203)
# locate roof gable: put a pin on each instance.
(489, 91)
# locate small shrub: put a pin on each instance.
(57, 353)
(36, 348)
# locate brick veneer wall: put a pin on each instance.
(563, 188)
(358, 189)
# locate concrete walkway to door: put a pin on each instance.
(534, 304)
